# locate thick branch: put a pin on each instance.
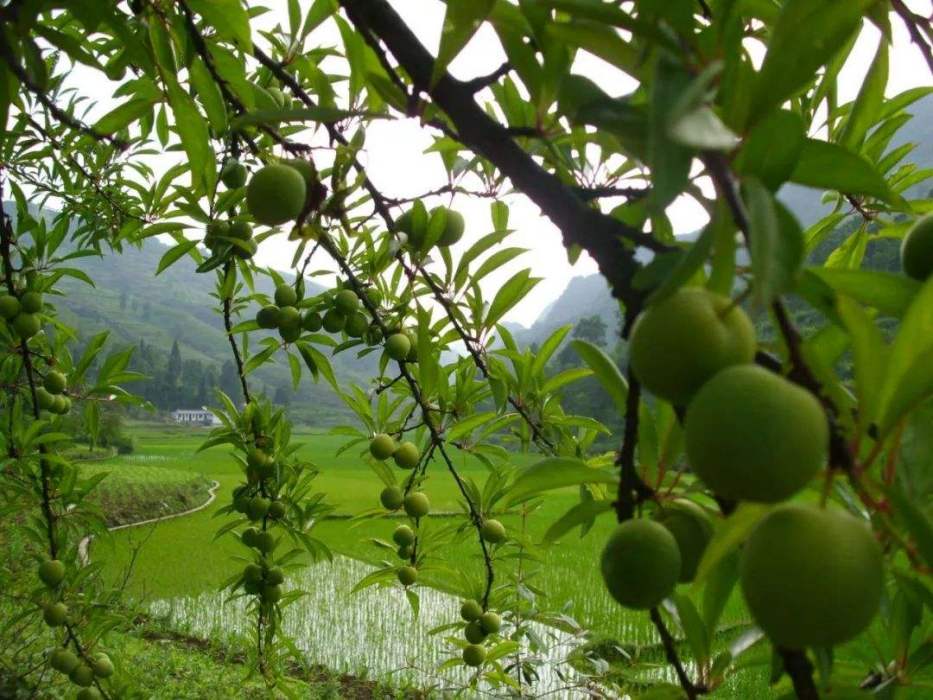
(600, 235)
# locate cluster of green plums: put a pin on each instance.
(235, 236)
(264, 581)
(479, 625)
(417, 506)
(21, 313)
(405, 454)
(810, 576)
(51, 395)
(81, 671)
(417, 225)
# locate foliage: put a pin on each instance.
(251, 113)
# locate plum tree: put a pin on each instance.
(407, 575)
(54, 382)
(474, 655)
(640, 564)
(403, 536)
(391, 498)
(52, 572)
(811, 576)
(407, 455)
(275, 194)
(398, 346)
(917, 249)
(285, 295)
(492, 531)
(233, 174)
(692, 527)
(680, 342)
(417, 504)
(382, 446)
(471, 610)
(753, 435)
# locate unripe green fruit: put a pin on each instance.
(811, 577)
(88, 694)
(492, 531)
(54, 382)
(272, 594)
(249, 534)
(252, 573)
(241, 502)
(258, 508)
(62, 405)
(334, 321)
(404, 552)
(277, 510)
(247, 250)
(417, 505)
(31, 302)
(398, 346)
(752, 435)
(407, 455)
(357, 325)
(374, 296)
(640, 564)
(52, 572)
(82, 675)
(241, 230)
(285, 295)
(268, 317)
(253, 587)
(403, 536)
(9, 307)
(474, 632)
(474, 655)
(471, 610)
(215, 231)
(405, 223)
(692, 527)
(917, 249)
(102, 665)
(346, 301)
(681, 342)
(491, 622)
(45, 400)
(312, 322)
(276, 194)
(275, 576)
(382, 446)
(289, 317)
(63, 660)
(265, 542)
(258, 459)
(306, 169)
(407, 575)
(391, 498)
(233, 174)
(453, 227)
(374, 335)
(290, 333)
(26, 325)
(55, 614)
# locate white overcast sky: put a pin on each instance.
(397, 164)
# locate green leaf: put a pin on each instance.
(561, 379)
(729, 534)
(831, 167)
(867, 106)
(702, 129)
(469, 424)
(890, 293)
(174, 254)
(229, 18)
(669, 161)
(869, 357)
(719, 584)
(461, 21)
(600, 40)
(209, 94)
(775, 240)
(583, 512)
(509, 295)
(807, 34)
(771, 150)
(293, 114)
(919, 526)
(692, 625)
(909, 375)
(606, 371)
(195, 139)
(556, 473)
(123, 115)
(686, 266)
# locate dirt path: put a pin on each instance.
(84, 545)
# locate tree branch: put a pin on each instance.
(800, 670)
(913, 21)
(484, 81)
(670, 652)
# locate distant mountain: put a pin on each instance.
(589, 295)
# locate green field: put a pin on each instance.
(178, 559)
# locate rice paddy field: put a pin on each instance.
(179, 567)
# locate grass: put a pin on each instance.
(177, 558)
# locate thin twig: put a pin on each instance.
(673, 658)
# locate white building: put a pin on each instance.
(194, 416)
